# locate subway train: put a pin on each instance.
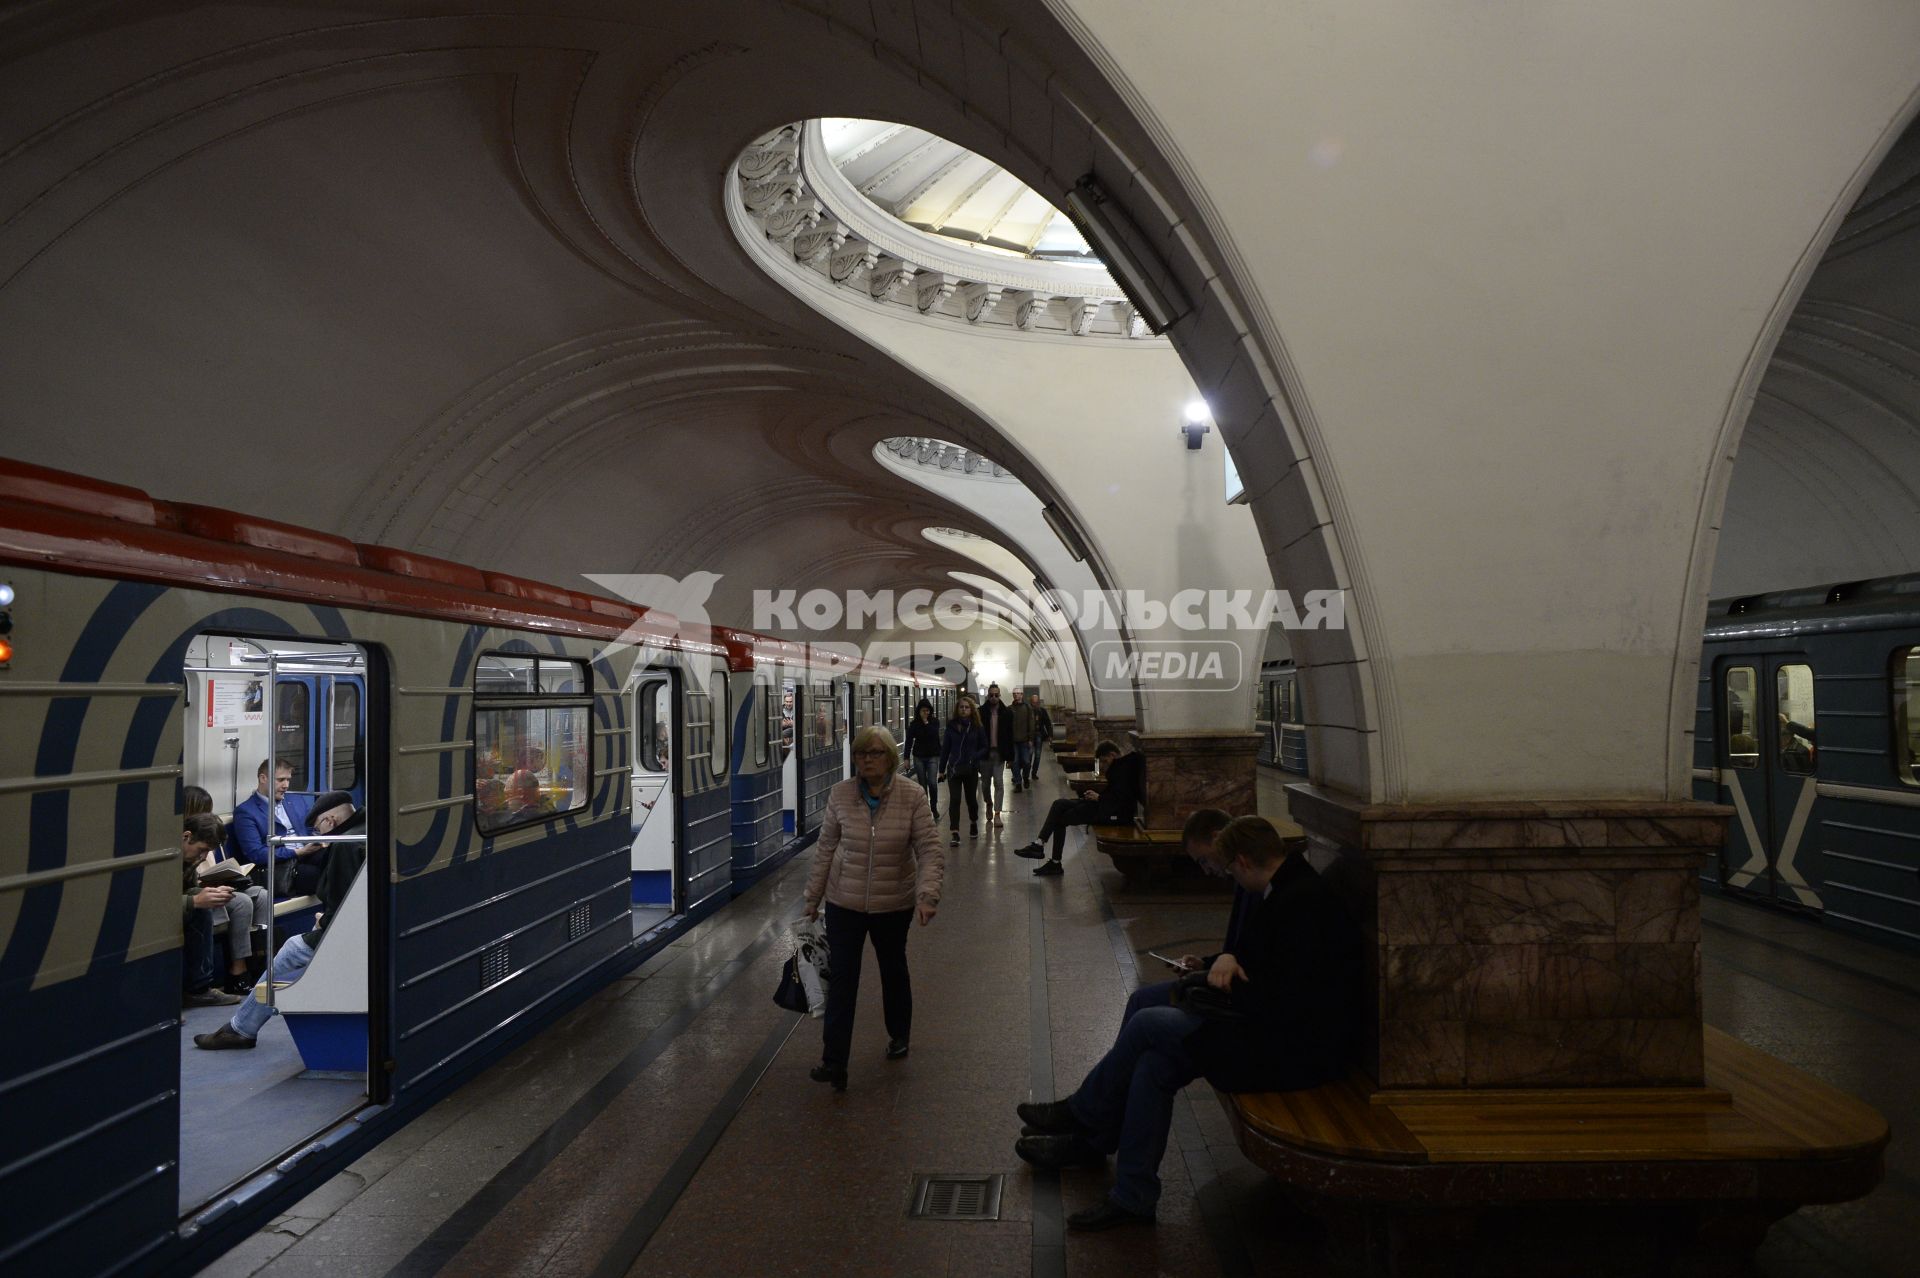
(554, 786)
(1280, 719)
(1804, 725)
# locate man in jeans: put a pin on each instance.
(1020, 715)
(333, 813)
(999, 729)
(1279, 1012)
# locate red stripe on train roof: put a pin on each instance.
(72, 523)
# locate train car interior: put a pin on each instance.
(790, 695)
(657, 893)
(240, 1110)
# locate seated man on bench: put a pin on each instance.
(1126, 786)
(1281, 1012)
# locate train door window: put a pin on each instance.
(718, 707)
(292, 733)
(343, 769)
(656, 726)
(532, 725)
(788, 692)
(1906, 715)
(1741, 717)
(760, 731)
(1793, 700)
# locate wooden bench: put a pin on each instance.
(1072, 762)
(1079, 782)
(1140, 855)
(1631, 1180)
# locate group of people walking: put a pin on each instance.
(974, 751)
(1276, 1008)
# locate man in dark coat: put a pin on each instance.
(1126, 787)
(1281, 1011)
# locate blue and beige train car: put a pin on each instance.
(1806, 725)
(1280, 719)
(491, 736)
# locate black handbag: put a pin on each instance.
(1192, 994)
(789, 993)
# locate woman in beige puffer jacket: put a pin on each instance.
(878, 865)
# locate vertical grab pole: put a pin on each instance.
(270, 711)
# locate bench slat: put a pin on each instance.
(1754, 1109)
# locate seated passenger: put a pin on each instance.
(334, 814)
(1126, 786)
(199, 835)
(524, 798)
(1796, 746)
(490, 799)
(249, 901)
(252, 826)
(1197, 839)
(1279, 1011)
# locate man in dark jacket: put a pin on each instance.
(1281, 1011)
(333, 814)
(1042, 736)
(1126, 787)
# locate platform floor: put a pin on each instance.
(667, 1126)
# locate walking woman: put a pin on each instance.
(923, 752)
(878, 865)
(961, 755)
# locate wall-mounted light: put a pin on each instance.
(1195, 427)
(1119, 244)
(1064, 530)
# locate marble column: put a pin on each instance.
(1548, 944)
(1111, 727)
(1187, 771)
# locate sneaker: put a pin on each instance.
(1048, 868)
(973, 829)
(897, 1049)
(210, 997)
(1032, 851)
(226, 1038)
(954, 840)
(1057, 1153)
(828, 1074)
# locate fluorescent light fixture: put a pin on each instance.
(1064, 530)
(1120, 245)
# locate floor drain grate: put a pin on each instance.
(956, 1197)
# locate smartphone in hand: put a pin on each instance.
(1175, 964)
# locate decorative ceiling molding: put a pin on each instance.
(800, 201)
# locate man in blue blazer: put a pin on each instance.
(290, 812)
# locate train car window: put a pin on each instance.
(1740, 717)
(1793, 700)
(720, 708)
(344, 768)
(290, 738)
(532, 739)
(656, 727)
(1906, 715)
(820, 724)
(761, 731)
(787, 694)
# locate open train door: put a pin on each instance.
(659, 881)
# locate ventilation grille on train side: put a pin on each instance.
(495, 965)
(579, 921)
(956, 1197)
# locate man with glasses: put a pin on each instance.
(1196, 840)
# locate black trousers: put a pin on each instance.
(196, 951)
(1064, 813)
(847, 933)
(956, 787)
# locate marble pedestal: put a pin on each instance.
(1187, 771)
(1551, 944)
